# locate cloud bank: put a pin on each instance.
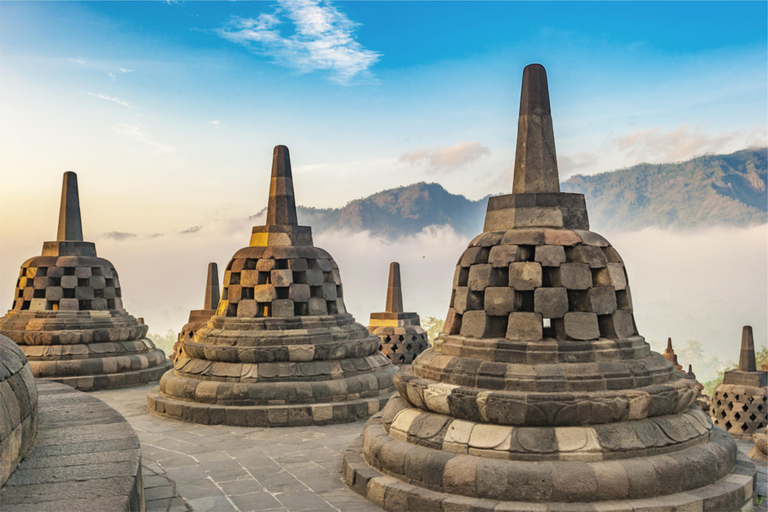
(442, 160)
(322, 38)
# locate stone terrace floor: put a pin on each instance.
(189, 467)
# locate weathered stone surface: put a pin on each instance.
(281, 349)
(68, 297)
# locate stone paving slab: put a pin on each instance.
(191, 467)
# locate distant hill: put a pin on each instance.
(707, 190)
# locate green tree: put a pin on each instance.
(433, 325)
(164, 342)
(693, 352)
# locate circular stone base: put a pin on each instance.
(114, 380)
(265, 415)
(735, 492)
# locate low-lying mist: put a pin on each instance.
(701, 285)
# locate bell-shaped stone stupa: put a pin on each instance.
(540, 394)
(68, 315)
(401, 335)
(199, 317)
(281, 349)
(739, 403)
(669, 353)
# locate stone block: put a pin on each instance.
(41, 282)
(249, 278)
(99, 303)
(29, 293)
(54, 293)
(574, 276)
(581, 326)
(550, 255)
(234, 293)
(525, 275)
(460, 276)
(299, 292)
(329, 291)
(282, 308)
(477, 324)
(618, 325)
(602, 300)
(591, 255)
(502, 255)
(452, 323)
(247, 308)
(617, 275)
(474, 256)
(83, 272)
(551, 302)
(484, 275)
(69, 305)
(612, 255)
(84, 293)
(281, 277)
(499, 301)
(97, 281)
(263, 293)
(317, 306)
(315, 277)
(38, 305)
(264, 265)
(69, 282)
(297, 265)
(465, 299)
(524, 326)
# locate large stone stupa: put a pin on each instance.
(540, 394)
(281, 349)
(68, 315)
(401, 335)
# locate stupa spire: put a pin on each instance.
(212, 287)
(70, 225)
(747, 356)
(394, 290)
(535, 157)
(282, 202)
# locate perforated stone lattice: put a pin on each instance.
(530, 284)
(402, 345)
(68, 284)
(740, 410)
(268, 287)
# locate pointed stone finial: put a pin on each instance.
(394, 290)
(747, 357)
(212, 287)
(282, 203)
(669, 345)
(70, 226)
(690, 370)
(535, 157)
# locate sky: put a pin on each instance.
(168, 111)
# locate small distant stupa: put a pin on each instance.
(68, 315)
(739, 403)
(199, 317)
(401, 335)
(669, 353)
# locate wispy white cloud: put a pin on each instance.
(448, 158)
(683, 142)
(124, 70)
(215, 122)
(111, 75)
(322, 38)
(112, 99)
(137, 132)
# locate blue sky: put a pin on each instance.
(169, 112)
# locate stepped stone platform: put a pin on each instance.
(740, 403)
(401, 335)
(68, 316)
(282, 349)
(540, 393)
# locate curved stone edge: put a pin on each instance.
(734, 492)
(86, 457)
(266, 415)
(18, 408)
(114, 380)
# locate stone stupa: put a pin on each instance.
(669, 354)
(540, 394)
(281, 349)
(401, 335)
(199, 317)
(68, 315)
(739, 403)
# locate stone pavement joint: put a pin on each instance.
(190, 467)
